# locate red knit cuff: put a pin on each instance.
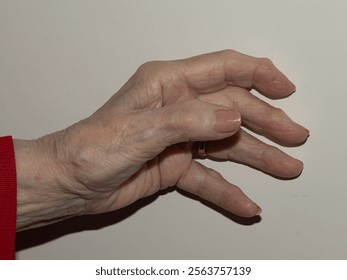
(8, 199)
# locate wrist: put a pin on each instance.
(44, 193)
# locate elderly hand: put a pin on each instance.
(142, 140)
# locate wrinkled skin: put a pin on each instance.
(141, 140)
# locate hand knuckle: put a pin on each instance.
(149, 67)
(265, 62)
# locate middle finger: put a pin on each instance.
(259, 116)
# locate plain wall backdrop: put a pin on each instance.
(61, 60)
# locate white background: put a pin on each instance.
(61, 60)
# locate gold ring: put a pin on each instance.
(200, 149)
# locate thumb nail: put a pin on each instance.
(227, 121)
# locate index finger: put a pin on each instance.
(210, 72)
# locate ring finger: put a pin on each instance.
(246, 149)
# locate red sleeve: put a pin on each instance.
(8, 199)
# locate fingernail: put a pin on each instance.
(294, 88)
(306, 134)
(227, 121)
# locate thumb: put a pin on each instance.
(192, 120)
